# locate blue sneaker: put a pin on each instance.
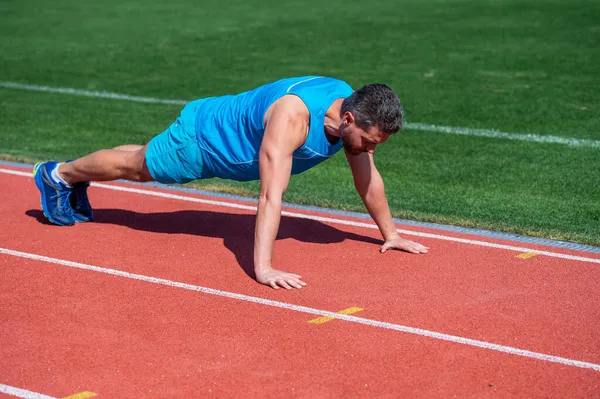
(82, 210)
(55, 195)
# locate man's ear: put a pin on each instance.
(348, 118)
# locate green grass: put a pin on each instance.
(527, 66)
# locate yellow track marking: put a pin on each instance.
(325, 319)
(526, 255)
(81, 395)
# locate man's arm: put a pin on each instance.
(285, 131)
(370, 187)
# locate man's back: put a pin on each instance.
(230, 128)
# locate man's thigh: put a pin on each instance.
(174, 156)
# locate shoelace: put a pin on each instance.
(62, 199)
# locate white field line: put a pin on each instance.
(22, 393)
(90, 93)
(312, 311)
(226, 204)
(540, 138)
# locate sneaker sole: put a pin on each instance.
(82, 220)
(40, 186)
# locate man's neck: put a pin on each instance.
(333, 119)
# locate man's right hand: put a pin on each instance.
(277, 278)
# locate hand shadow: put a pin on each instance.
(236, 230)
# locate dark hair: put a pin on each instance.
(375, 105)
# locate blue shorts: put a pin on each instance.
(174, 155)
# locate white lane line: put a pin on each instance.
(325, 219)
(22, 393)
(540, 138)
(445, 238)
(312, 311)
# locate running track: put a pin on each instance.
(154, 301)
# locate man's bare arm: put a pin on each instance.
(285, 132)
(370, 187)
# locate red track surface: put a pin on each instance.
(65, 330)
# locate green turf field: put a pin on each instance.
(522, 66)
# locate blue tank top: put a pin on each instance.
(230, 128)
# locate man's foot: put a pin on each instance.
(82, 210)
(55, 195)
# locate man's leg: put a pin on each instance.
(170, 157)
(64, 185)
(123, 162)
(129, 147)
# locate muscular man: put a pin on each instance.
(269, 133)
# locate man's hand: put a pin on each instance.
(276, 278)
(404, 245)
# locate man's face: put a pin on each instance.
(357, 141)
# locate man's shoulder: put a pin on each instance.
(298, 82)
(290, 105)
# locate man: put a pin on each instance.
(269, 133)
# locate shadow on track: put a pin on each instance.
(236, 230)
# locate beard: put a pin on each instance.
(350, 149)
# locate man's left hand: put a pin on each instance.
(404, 245)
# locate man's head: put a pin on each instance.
(369, 116)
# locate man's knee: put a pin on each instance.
(137, 168)
(145, 176)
